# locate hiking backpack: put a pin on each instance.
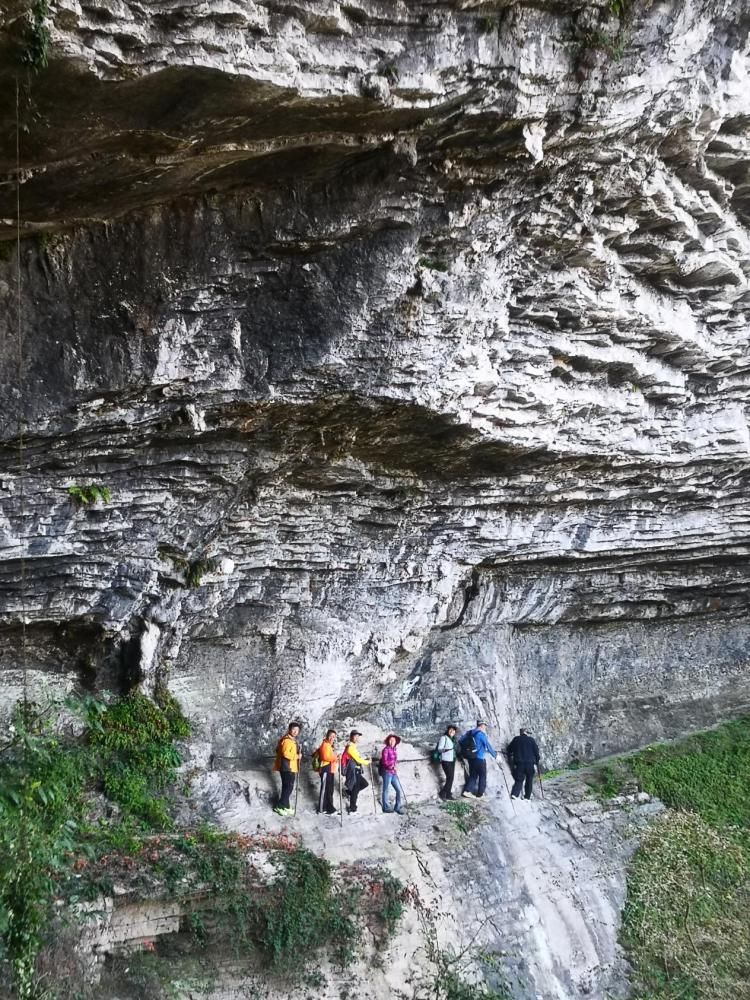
(315, 761)
(468, 746)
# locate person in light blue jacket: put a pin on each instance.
(474, 749)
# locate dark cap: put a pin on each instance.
(353, 733)
(481, 722)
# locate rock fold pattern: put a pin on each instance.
(411, 343)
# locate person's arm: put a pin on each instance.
(536, 752)
(363, 762)
(489, 748)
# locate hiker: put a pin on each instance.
(352, 766)
(523, 757)
(287, 764)
(474, 746)
(387, 771)
(445, 752)
(328, 759)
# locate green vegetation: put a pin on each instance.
(135, 755)
(126, 750)
(83, 495)
(194, 570)
(685, 923)
(464, 815)
(433, 264)
(452, 981)
(610, 779)
(58, 851)
(197, 569)
(35, 52)
(708, 774)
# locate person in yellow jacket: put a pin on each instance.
(287, 764)
(329, 761)
(352, 766)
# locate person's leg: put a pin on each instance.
(384, 792)
(353, 796)
(471, 781)
(482, 777)
(321, 793)
(529, 780)
(445, 791)
(450, 770)
(517, 783)
(399, 793)
(287, 786)
(330, 788)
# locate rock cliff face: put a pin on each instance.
(411, 342)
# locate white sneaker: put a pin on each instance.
(468, 795)
(515, 798)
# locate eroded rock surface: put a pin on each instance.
(413, 337)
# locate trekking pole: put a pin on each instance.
(541, 786)
(341, 801)
(507, 786)
(299, 775)
(372, 786)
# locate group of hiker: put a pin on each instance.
(472, 748)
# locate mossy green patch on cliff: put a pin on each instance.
(685, 922)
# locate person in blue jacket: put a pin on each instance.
(474, 748)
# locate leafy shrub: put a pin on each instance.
(84, 495)
(301, 911)
(136, 753)
(40, 809)
(37, 37)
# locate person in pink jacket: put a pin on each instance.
(387, 768)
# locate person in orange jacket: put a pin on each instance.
(287, 764)
(329, 761)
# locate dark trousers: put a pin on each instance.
(477, 777)
(449, 769)
(327, 784)
(523, 773)
(356, 789)
(287, 787)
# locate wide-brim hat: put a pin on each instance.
(392, 736)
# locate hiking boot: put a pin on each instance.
(468, 795)
(400, 812)
(331, 812)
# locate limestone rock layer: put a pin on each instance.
(410, 341)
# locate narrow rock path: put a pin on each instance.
(533, 888)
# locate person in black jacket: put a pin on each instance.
(523, 757)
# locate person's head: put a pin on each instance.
(331, 735)
(524, 732)
(481, 725)
(354, 735)
(294, 728)
(451, 730)
(392, 740)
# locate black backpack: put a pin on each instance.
(468, 746)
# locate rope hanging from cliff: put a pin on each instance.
(21, 406)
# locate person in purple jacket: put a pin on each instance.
(387, 768)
